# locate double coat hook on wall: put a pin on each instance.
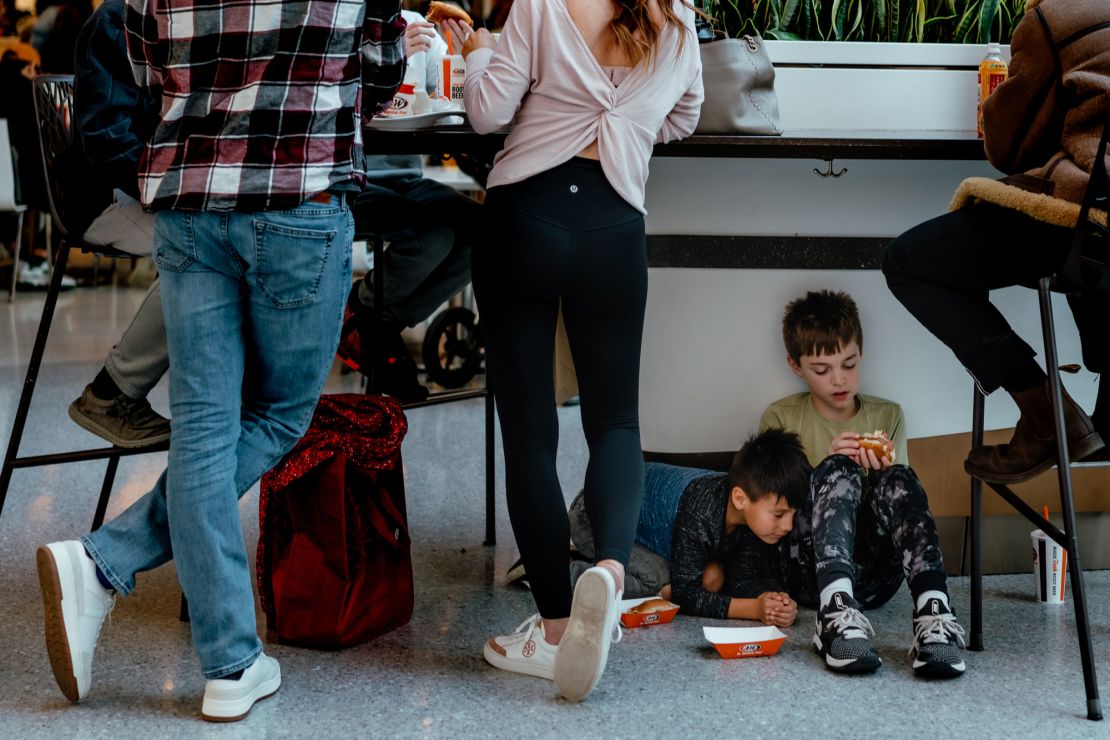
(829, 172)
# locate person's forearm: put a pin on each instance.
(745, 609)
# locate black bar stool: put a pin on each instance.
(1085, 269)
(53, 101)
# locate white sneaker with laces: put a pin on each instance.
(525, 651)
(593, 626)
(227, 700)
(38, 276)
(75, 605)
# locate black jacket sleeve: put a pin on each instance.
(695, 542)
(114, 117)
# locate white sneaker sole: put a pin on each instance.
(584, 649)
(505, 663)
(59, 605)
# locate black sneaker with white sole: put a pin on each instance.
(937, 639)
(842, 637)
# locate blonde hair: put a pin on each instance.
(636, 33)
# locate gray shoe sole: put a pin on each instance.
(90, 425)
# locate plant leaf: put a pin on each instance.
(963, 28)
(780, 35)
(839, 11)
(919, 27)
(789, 12)
(857, 22)
(986, 19)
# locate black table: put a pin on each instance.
(737, 251)
(824, 145)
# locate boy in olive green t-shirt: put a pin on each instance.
(866, 524)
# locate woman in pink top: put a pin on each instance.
(589, 87)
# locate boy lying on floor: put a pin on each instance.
(703, 537)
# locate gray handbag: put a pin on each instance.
(739, 88)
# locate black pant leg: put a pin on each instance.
(942, 272)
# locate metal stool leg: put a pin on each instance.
(15, 255)
(491, 472)
(976, 526)
(105, 492)
(373, 383)
(1079, 595)
(32, 371)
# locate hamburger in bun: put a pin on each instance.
(439, 12)
(878, 443)
(651, 606)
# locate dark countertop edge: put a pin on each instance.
(807, 146)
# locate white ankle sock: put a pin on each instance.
(926, 595)
(843, 585)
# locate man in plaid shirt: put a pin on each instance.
(248, 174)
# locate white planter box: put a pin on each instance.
(871, 86)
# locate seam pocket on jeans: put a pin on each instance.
(177, 253)
(291, 262)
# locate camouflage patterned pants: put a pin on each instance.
(874, 528)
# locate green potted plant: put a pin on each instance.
(905, 21)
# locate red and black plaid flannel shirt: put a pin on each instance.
(260, 99)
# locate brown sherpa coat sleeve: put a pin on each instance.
(1023, 118)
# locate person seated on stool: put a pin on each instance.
(114, 118)
(429, 227)
(1042, 126)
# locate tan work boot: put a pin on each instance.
(1032, 450)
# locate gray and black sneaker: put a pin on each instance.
(842, 638)
(937, 639)
(125, 422)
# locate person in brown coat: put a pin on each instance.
(1042, 127)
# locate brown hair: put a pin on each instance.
(635, 31)
(820, 323)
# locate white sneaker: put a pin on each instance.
(584, 649)
(38, 276)
(75, 605)
(229, 701)
(526, 651)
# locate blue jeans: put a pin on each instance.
(253, 304)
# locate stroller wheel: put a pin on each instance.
(453, 350)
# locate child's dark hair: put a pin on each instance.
(772, 462)
(820, 323)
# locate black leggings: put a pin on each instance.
(942, 270)
(564, 236)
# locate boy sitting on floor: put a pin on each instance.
(866, 524)
(703, 537)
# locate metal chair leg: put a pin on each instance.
(491, 473)
(976, 526)
(15, 255)
(105, 492)
(32, 372)
(1079, 595)
(373, 383)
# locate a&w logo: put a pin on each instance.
(753, 648)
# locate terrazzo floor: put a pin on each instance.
(428, 679)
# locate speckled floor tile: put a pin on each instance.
(428, 679)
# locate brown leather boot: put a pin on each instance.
(1032, 450)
